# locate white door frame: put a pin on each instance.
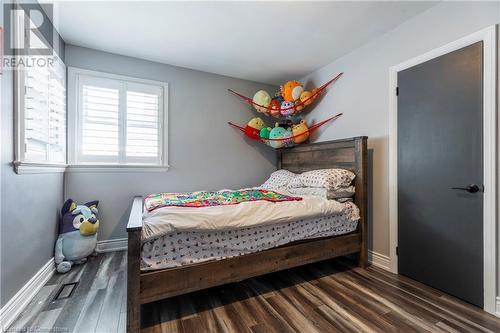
(489, 38)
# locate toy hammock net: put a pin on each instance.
(298, 103)
(288, 141)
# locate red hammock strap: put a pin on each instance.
(318, 91)
(317, 125)
(236, 126)
(243, 97)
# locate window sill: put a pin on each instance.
(100, 168)
(32, 167)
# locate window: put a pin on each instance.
(117, 121)
(40, 98)
(41, 118)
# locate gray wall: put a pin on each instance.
(204, 152)
(363, 92)
(30, 204)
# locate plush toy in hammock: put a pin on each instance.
(77, 234)
(253, 127)
(263, 99)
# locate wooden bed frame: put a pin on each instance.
(145, 287)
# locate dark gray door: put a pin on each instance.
(440, 133)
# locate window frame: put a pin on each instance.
(74, 77)
(21, 165)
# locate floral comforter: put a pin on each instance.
(217, 198)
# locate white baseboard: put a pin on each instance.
(497, 312)
(21, 299)
(379, 260)
(111, 245)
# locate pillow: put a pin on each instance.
(342, 192)
(279, 179)
(331, 179)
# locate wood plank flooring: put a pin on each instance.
(331, 296)
(97, 304)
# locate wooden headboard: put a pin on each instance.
(348, 154)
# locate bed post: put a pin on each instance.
(134, 230)
(361, 196)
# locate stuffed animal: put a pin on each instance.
(77, 234)
(285, 123)
(278, 97)
(287, 136)
(274, 108)
(277, 132)
(262, 98)
(291, 91)
(300, 132)
(287, 109)
(264, 134)
(305, 98)
(252, 129)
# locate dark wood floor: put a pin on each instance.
(331, 296)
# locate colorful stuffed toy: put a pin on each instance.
(274, 108)
(277, 133)
(305, 98)
(300, 132)
(287, 136)
(287, 109)
(262, 98)
(252, 129)
(285, 123)
(278, 97)
(264, 134)
(291, 91)
(77, 234)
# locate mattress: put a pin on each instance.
(182, 247)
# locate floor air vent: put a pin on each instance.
(66, 291)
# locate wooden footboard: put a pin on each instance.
(151, 286)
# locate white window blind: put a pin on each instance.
(99, 121)
(43, 114)
(119, 122)
(143, 130)
(57, 115)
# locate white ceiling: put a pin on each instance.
(261, 41)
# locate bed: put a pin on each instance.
(150, 279)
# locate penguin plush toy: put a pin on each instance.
(77, 234)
